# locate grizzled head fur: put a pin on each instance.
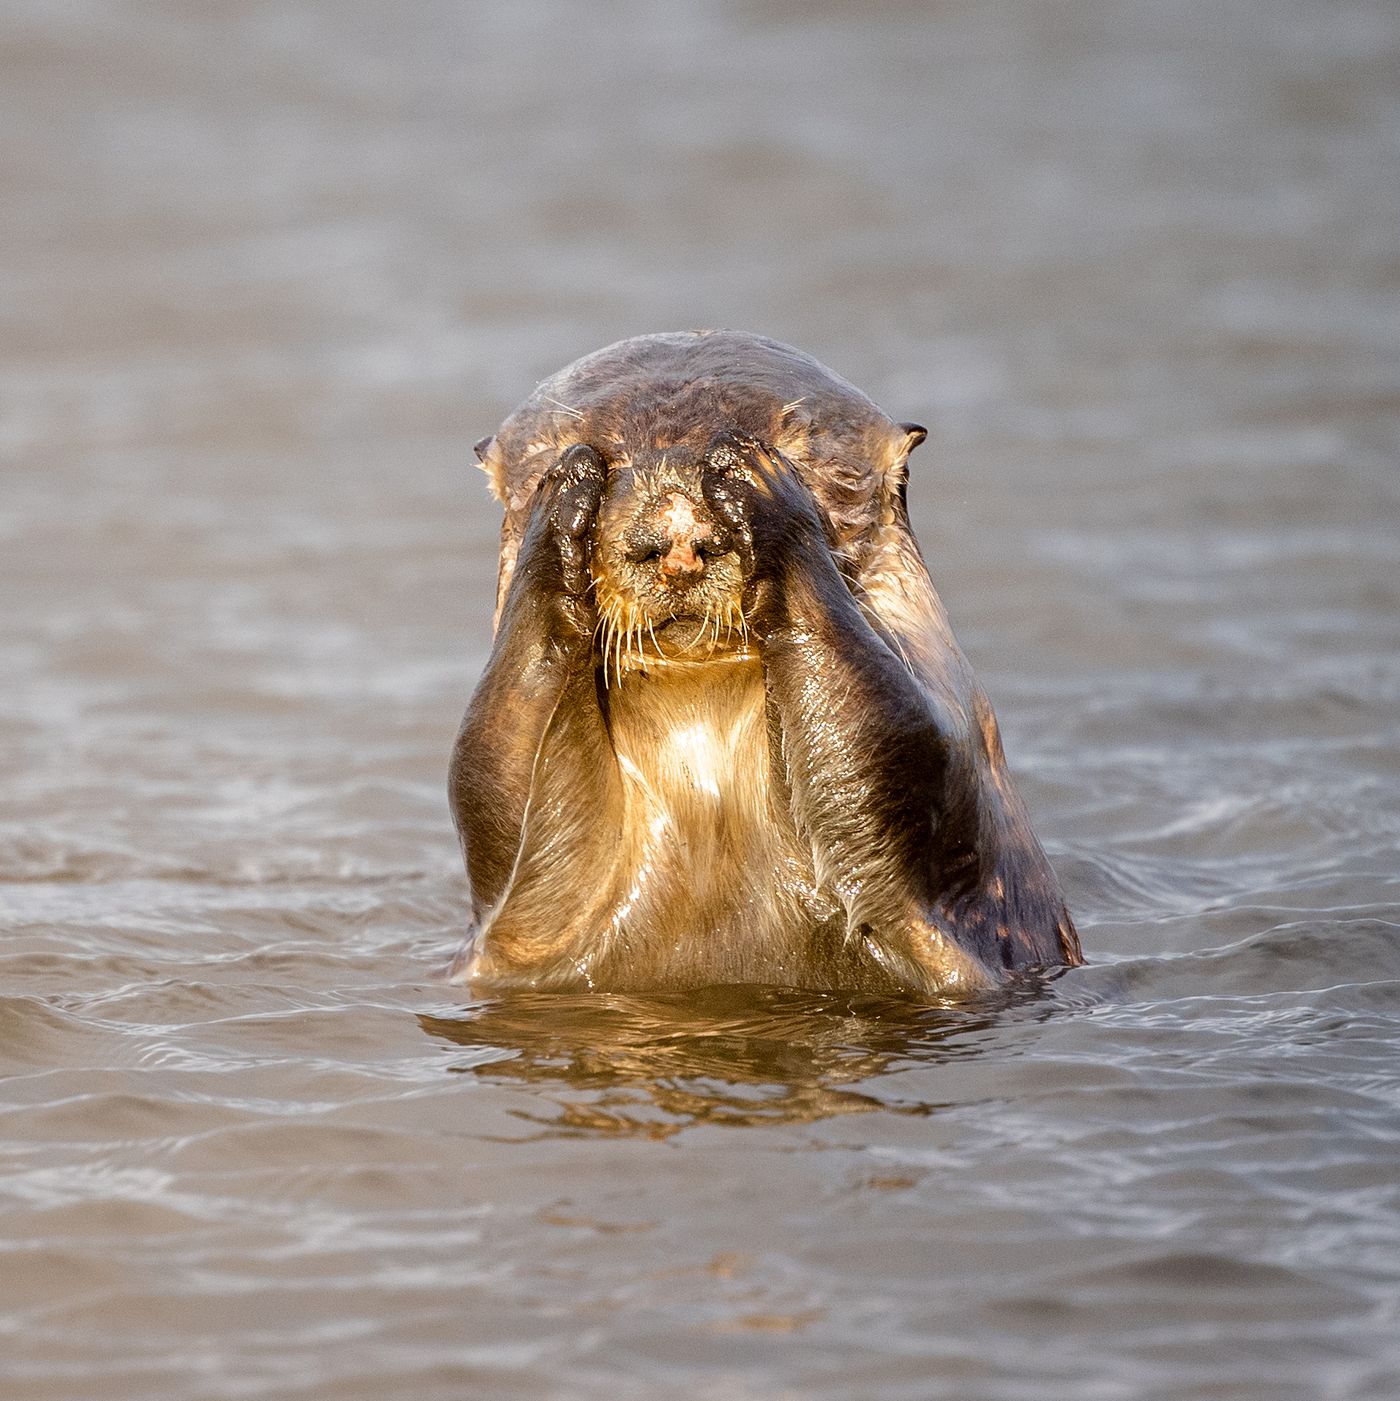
(653, 404)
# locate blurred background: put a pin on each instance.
(268, 269)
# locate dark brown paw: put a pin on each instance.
(572, 490)
(767, 511)
(556, 548)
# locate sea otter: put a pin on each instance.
(725, 734)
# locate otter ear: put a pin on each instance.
(898, 478)
(491, 465)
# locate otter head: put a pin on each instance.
(651, 407)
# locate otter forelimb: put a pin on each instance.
(875, 782)
(533, 783)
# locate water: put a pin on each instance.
(268, 269)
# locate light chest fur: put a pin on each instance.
(715, 884)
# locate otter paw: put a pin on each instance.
(568, 498)
(766, 509)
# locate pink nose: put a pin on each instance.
(681, 561)
(684, 530)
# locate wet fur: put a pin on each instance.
(821, 801)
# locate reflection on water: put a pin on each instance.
(652, 1066)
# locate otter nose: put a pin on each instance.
(686, 535)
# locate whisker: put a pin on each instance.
(610, 626)
(563, 408)
(619, 632)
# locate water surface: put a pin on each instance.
(268, 269)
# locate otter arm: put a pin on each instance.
(533, 782)
(879, 783)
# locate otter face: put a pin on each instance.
(668, 582)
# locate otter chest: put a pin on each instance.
(716, 885)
